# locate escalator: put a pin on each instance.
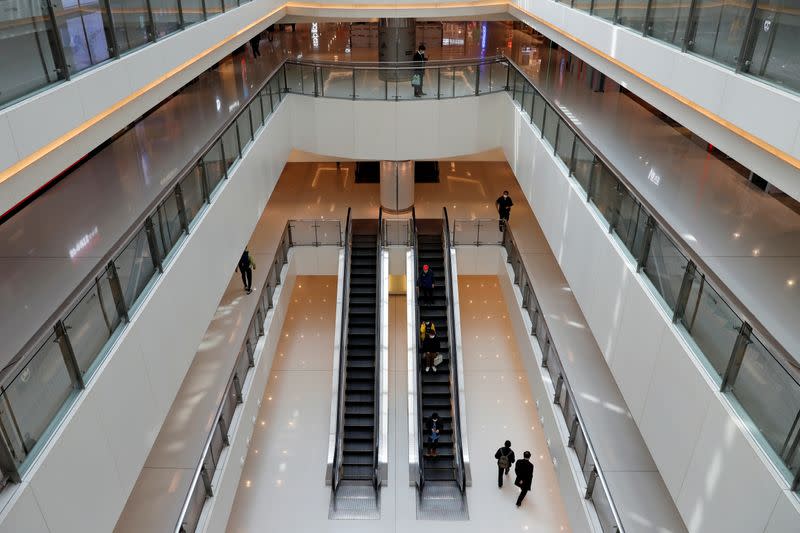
(442, 475)
(356, 479)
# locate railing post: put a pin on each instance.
(478, 234)
(508, 77)
(314, 70)
(181, 208)
(478, 79)
(559, 386)
(737, 357)
(316, 236)
(8, 465)
(116, 291)
(206, 481)
(111, 35)
(685, 290)
(573, 432)
(438, 82)
(155, 254)
(354, 83)
(649, 229)
(204, 182)
(545, 352)
(237, 388)
(590, 483)
(62, 69)
(223, 429)
(69, 356)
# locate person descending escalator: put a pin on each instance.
(426, 285)
(430, 351)
(433, 426)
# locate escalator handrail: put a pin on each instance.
(420, 428)
(448, 274)
(376, 396)
(338, 450)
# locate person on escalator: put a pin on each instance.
(424, 328)
(426, 285)
(432, 428)
(430, 351)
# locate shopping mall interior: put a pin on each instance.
(364, 267)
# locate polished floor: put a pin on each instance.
(751, 240)
(282, 486)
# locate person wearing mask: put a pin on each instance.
(419, 73)
(245, 267)
(254, 42)
(430, 351)
(426, 284)
(505, 458)
(433, 426)
(503, 205)
(424, 328)
(524, 471)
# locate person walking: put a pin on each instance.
(271, 32)
(503, 205)
(254, 43)
(505, 458)
(426, 284)
(430, 351)
(419, 72)
(245, 267)
(524, 471)
(432, 427)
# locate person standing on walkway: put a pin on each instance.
(254, 42)
(419, 72)
(505, 458)
(245, 267)
(503, 205)
(524, 471)
(426, 285)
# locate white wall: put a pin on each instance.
(82, 479)
(716, 474)
(771, 114)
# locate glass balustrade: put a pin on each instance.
(42, 43)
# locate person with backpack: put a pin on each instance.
(246, 266)
(426, 285)
(524, 471)
(505, 458)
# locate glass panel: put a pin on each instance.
(665, 266)
(192, 11)
(28, 53)
(277, 87)
(169, 222)
(581, 449)
(447, 82)
(564, 143)
(770, 396)
(192, 189)
(214, 166)
(328, 232)
(303, 232)
(35, 397)
(604, 192)
(91, 323)
(266, 102)
(294, 82)
(527, 99)
(245, 129)
(165, 16)
(631, 220)
(230, 403)
(489, 232)
(499, 76)
(603, 508)
(134, 267)
(518, 85)
(720, 28)
(214, 451)
(465, 232)
(711, 323)
(242, 364)
(583, 164)
(195, 508)
(668, 20)
(337, 82)
(371, 84)
(604, 9)
(631, 13)
(774, 48)
(538, 110)
(85, 31)
(231, 146)
(583, 5)
(256, 116)
(131, 23)
(550, 124)
(464, 80)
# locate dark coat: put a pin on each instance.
(426, 279)
(524, 471)
(431, 345)
(429, 425)
(505, 451)
(244, 261)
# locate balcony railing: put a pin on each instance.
(43, 43)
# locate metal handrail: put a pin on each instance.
(390, 65)
(339, 448)
(776, 349)
(448, 274)
(226, 398)
(376, 396)
(571, 392)
(420, 427)
(31, 347)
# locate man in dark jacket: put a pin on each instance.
(426, 284)
(419, 59)
(246, 267)
(503, 205)
(433, 426)
(524, 472)
(505, 458)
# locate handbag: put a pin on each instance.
(438, 359)
(416, 80)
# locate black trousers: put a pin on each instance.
(426, 293)
(504, 215)
(500, 472)
(247, 278)
(522, 493)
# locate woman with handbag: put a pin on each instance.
(419, 73)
